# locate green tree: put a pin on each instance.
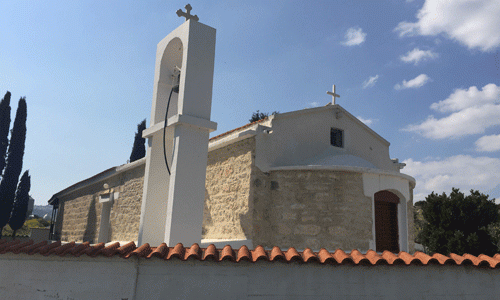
(139, 148)
(4, 128)
(18, 215)
(256, 116)
(14, 163)
(458, 223)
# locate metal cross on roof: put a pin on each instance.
(333, 94)
(187, 14)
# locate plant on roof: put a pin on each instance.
(256, 116)
(14, 163)
(459, 224)
(139, 148)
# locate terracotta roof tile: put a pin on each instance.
(325, 257)
(142, 251)
(375, 259)
(276, 254)
(177, 251)
(493, 262)
(259, 253)
(227, 253)
(193, 252)
(211, 253)
(159, 251)
(292, 255)
(309, 256)
(79, 249)
(243, 254)
(341, 257)
(15, 248)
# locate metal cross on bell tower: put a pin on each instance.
(187, 14)
(333, 94)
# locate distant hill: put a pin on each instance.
(42, 210)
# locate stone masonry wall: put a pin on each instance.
(315, 209)
(228, 211)
(411, 223)
(80, 212)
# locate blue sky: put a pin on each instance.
(425, 75)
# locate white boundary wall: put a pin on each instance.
(37, 277)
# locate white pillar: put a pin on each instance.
(178, 219)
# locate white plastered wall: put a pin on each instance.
(299, 137)
(397, 184)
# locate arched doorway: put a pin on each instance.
(386, 221)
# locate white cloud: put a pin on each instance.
(488, 143)
(416, 55)
(314, 104)
(414, 83)
(354, 36)
(367, 122)
(473, 23)
(472, 111)
(461, 171)
(370, 81)
(461, 99)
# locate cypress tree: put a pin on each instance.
(4, 128)
(18, 215)
(139, 148)
(14, 164)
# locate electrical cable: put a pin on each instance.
(164, 130)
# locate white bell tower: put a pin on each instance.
(172, 204)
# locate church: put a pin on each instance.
(313, 178)
(281, 208)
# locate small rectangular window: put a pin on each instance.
(337, 137)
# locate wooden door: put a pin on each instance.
(386, 221)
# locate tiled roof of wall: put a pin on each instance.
(236, 129)
(339, 257)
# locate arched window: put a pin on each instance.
(386, 221)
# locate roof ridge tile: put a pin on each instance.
(6, 245)
(375, 258)
(292, 255)
(161, 251)
(355, 257)
(143, 251)
(33, 248)
(16, 247)
(475, 260)
(176, 251)
(493, 262)
(359, 258)
(63, 249)
(127, 248)
(341, 257)
(192, 252)
(276, 254)
(48, 249)
(244, 254)
(392, 258)
(259, 253)
(210, 253)
(227, 253)
(326, 257)
(309, 256)
(79, 249)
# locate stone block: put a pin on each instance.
(308, 218)
(308, 229)
(289, 216)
